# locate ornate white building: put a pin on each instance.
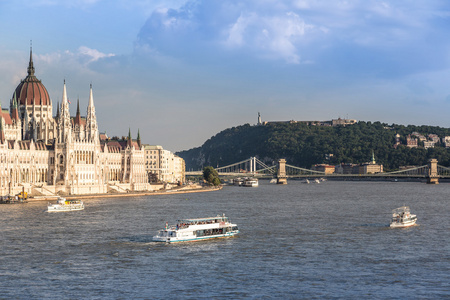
(46, 155)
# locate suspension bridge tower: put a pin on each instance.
(281, 174)
(432, 176)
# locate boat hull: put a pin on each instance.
(403, 225)
(62, 209)
(192, 239)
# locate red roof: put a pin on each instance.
(31, 90)
(117, 146)
(5, 115)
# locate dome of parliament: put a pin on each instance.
(31, 90)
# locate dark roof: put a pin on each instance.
(31, 90)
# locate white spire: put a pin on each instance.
(91, 120)
(64, 96)
(91, 97)
(65, 127)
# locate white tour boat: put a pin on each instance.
(65, 205)
(251, 182)
(238, 181)
(402, 217)
(190, 230)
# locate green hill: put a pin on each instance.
(305, 145)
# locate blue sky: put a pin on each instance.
(180, 71)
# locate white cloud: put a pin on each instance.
(273, 37)
(83, 56)
(92, 54)
(237, 30)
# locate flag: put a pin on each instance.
(69, 101)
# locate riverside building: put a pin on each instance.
(164, 166)
(45, 155)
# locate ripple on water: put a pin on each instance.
(297, 241)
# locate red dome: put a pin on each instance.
(31, 90)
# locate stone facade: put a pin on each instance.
(164, 166)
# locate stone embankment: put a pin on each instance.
(195, 188)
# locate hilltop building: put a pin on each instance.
(333, 122)
(45, 155)
(446, 141)
(411, 142)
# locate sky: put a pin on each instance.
(180, 71)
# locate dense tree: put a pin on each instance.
(211, 176)
(305, 145)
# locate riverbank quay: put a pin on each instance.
(182, 190)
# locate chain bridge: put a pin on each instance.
(256, 168)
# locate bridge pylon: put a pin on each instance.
(432, 176)
(281, 174)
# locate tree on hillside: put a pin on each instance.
(211, 176)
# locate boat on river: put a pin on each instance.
(65, 205)
(238, 181)
(189, 230)
(12, 200)
(251, 182)
(402, 217)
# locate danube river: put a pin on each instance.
(327, 240)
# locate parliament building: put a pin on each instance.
(46, 155)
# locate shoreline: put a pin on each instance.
(131, 194)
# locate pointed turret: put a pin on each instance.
(57, 110)
(129, 140)
(139, 139)
(30, 64)
(78, 115)
(91, 97)
(64, 124)
(64, 96)
(2, 133)
(15, 110)
(91, 119)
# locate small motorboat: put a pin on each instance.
(402, 217)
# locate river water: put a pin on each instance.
(311, 241)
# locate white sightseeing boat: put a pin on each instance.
(190, 230)
(251, 182)
(65, 205)
(402, 217)
(238, 181)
